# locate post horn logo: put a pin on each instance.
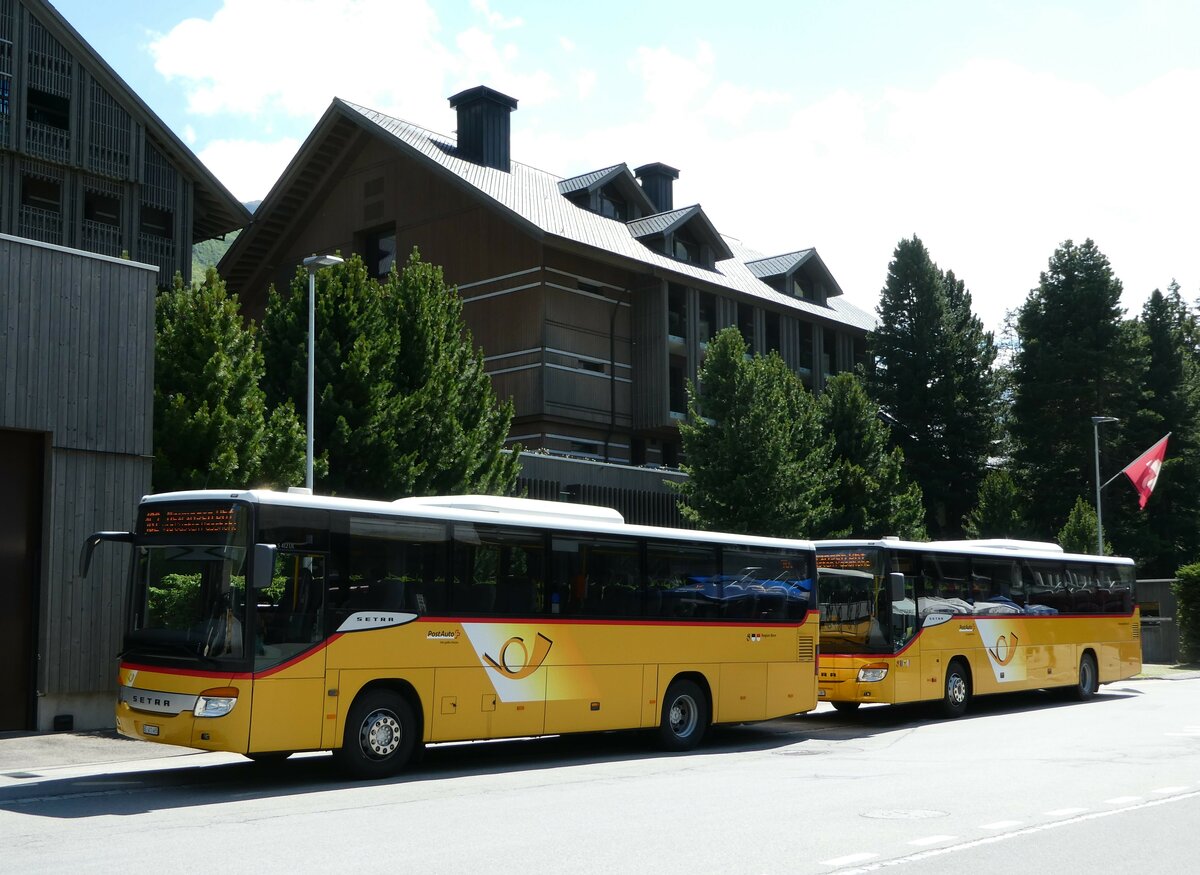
(516, 667)
(1002, 646)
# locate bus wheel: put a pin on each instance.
(958, 689)
(381, 733)
(684, 716)
(1088, 679)
(846, 707)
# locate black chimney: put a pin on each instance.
(656, 181)
(483, 125)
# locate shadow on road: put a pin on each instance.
(130, 792)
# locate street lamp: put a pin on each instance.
(1097, 421)
(312, 264)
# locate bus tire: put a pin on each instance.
(1089, 679)
(846, 707)
(956, 692)
(380, 735)
(684, 715)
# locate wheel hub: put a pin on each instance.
(381, 734)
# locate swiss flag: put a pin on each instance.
(1143, 471)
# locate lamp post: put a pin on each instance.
(312, 264)
(1097, 421)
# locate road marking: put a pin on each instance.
(1169, 790)
(932, 840)
(1002, 824)
(1029, 830)
(850, 860)
(1064, 812)
(1122, 800)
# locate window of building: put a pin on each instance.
(102, 208)
(379, 251)
(829, 352)
(745, 323)
(637, 451)
(44, 194)
(676, 310)
(5, 85)
(806, 345)
(48, 109)
(684, 248)
(772, 326)
(677, 387)
(670, 454)
(613, 206)
(707, 313)
(157, 222)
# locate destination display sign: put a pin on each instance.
(855, 560)
(177, 521)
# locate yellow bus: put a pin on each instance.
(266, 623)
(948, 620)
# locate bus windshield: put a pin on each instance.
(188, 598)
(857, 614)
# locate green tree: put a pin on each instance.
(1166, 534)
(211, 427)
(756, 459)
(998, 513)
(933, 378)
(1078, 535)
(870, 495)
(1077, 359)
(404, 406)
(1187, 598)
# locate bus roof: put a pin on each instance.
(561, 516)
(997, 547)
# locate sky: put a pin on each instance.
(994, 131)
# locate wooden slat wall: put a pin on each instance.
(650, 401)
(77, 362)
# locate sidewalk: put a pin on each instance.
(23, 753)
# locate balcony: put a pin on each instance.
(158, 251)
(47, 141)
(38, 224)
(101, 237)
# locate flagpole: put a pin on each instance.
(1096, 422)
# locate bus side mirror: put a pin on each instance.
(896, 586)
(89, 547)
(264, 565)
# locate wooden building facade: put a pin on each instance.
(592, 297)
(85, 163)
(76, 406)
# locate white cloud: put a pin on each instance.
(248, 168)
(495, 19)
(294, 56)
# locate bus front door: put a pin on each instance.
(289, 679)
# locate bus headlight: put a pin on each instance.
(875, 671)
(216, 702)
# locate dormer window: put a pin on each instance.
(613, 206)
(686, 249)
(685, 235)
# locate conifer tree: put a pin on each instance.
(756, 459)
(1078, 534)
(404, 406)
(1166, 534)
(1077, 359)
(998, 512)
(211, 425)
(933, 379)
(870, 494)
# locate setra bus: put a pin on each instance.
(266, 623)
(944, 621)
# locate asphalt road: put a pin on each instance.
(1022, 781)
